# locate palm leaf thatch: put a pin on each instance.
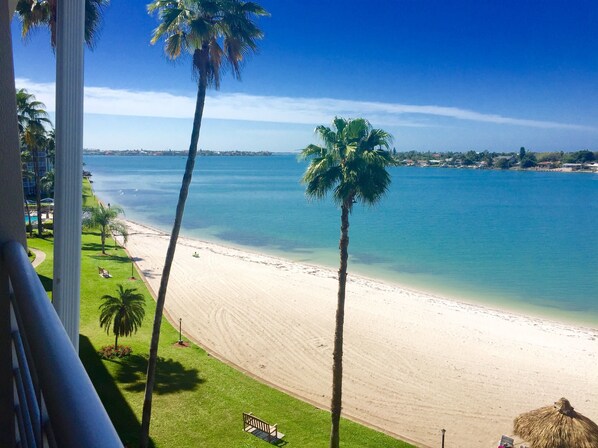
(557, 426)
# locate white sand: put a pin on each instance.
(413, 363)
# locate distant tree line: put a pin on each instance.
(169, 152)
(498, 160)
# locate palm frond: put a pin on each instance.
(174, 44)
(119, 228)
(250, 8)
(327, 135)
(216, 54)
(219, 34)
(352, 163)
(311, 151)
(42, 13)
(100, 216)
(93, 15)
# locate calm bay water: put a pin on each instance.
(522, 240)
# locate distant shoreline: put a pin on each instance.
(485, 161)
(201, 153)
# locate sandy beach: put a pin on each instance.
(413, 363)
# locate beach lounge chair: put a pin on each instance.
(506, 442)
(104, 272)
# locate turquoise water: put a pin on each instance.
(522, 240)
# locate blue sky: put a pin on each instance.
(438, 75)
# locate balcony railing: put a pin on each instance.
(55, 403)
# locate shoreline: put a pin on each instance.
(381, 283)
(415, 362)
(141, 153)
(517, 308)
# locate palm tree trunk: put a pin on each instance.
(153, 355)
(337, 357)
(103, 239)
(29, 218)
(38, 193)
(116, 341)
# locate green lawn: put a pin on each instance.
(198, 400)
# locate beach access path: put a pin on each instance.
(40, 257)
(413, 363)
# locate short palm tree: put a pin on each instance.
(216, 33)
(122, 314)
(106, 219)
(352, 165)
(47, 185)
(32, 118)
(39, 13)
(47, 182)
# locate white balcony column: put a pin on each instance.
(11, 214)
(70, 24)
(11, 184)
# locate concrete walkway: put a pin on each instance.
(39, 257)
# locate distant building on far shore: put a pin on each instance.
(572, 166)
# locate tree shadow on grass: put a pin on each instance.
(97, 247)
(110, 257)
(47, 282)
(171, 375)
(123, 418)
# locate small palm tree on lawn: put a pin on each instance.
(123, 313)
(216, 33)
(352, 165)
(106, 219)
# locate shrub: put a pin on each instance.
(108, 351)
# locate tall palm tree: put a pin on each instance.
(217, 33)
(40, 13)
(352, 165)
(51, 146)
(30, 112)
(32, 118)
(26, 173)
(123, 313)
(106, 219)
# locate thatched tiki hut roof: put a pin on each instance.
(557, 426)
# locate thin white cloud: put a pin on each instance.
(237, 106)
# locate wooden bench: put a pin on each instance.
(260, 428)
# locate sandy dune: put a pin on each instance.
(414, 363)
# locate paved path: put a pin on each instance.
(39, 257)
